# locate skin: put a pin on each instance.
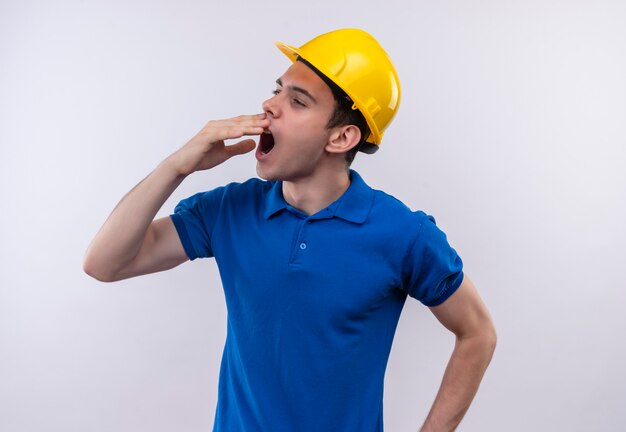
(309, 158)
(465, 315)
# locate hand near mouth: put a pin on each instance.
(207, 149)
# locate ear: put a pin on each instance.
(343, 138)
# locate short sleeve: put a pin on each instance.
(194, 219)
(432, 269)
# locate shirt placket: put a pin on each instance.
(303, 239)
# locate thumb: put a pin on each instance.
(241, 147)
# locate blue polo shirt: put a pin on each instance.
(313, 301)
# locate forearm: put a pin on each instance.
(461, 380)
(126, 246)
(120, 238)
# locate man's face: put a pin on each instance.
(298, 112)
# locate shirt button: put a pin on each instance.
(303, 246)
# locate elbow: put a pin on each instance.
(484, 338)
(490, 337)
(96, 271)
(487, 334)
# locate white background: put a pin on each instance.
(512, 132)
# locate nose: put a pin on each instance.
(270, 106)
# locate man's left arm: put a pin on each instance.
(465, 315)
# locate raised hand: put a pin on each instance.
(207, 148)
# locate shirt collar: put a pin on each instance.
(354, 205)
(274, 201)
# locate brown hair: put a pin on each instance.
(343, 114)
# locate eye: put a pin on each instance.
(294, 100)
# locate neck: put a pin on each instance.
(312, 194)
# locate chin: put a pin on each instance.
(263, 174)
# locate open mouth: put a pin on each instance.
(266, 142)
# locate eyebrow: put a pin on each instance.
(297, 89)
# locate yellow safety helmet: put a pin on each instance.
(355, 61)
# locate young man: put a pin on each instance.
(315, 264)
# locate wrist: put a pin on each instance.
(173, 166)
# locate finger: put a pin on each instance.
(241, 119)
(245, 120)
(241, 147)
(233, 132)
(249, 117)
